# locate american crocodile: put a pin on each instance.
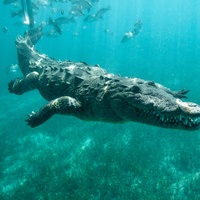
(90, 93)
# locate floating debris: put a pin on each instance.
(12, 69)
(108, 32)
(5, 29)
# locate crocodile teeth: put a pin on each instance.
(170, 120)
(162, 118)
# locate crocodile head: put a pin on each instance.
(151, 103)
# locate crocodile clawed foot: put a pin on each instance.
(14, 86)
(182, 93)
(33, 120)
(10, 86)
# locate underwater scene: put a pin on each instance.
(67, 158)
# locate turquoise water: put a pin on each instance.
(66, 158)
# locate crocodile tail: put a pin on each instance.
(33, 35)
(29, 59)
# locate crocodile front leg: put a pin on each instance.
(22, 85)
(63, 105)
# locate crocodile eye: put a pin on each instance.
(135, 89)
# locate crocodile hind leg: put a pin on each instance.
(63, 105)
(22, 85)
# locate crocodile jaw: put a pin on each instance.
(185, 117)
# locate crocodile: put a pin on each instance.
(90, 93)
